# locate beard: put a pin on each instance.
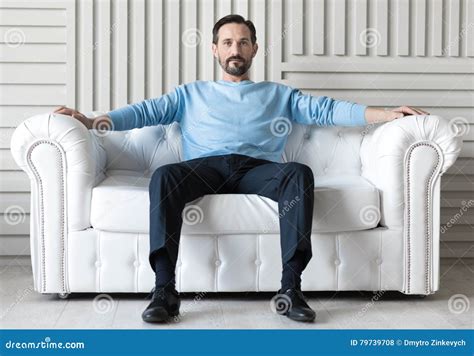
(241, 68)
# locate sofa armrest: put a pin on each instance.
(64, 161)
(405, 159)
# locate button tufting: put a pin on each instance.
(164, 137)
(337, 262)
(218, 262)
(178, 263)
(306, 136)
(98, 264)
(339, 134)
(325, 169)
(136, 264)
(258, 262)
(378, 261)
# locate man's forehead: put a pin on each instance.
(235, 37)
(233, 31)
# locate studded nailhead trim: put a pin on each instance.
(428, 217)
(41, 207)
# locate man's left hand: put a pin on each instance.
(407, 110)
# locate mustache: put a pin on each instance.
(235, 58)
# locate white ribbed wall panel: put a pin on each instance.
(103, 54)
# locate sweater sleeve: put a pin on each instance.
(324, 111)
(150, 112)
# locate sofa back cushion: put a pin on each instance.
(327, 150)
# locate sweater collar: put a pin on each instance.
(227, 82)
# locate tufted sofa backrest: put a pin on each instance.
(327, 150)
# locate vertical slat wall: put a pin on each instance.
(37, 73)
(120, 59)
(103, 54)
(381, 26)
(85, 55)
(420, 28)
(388, 53)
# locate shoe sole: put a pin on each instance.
(300, 318)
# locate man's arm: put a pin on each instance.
(374, 115)
(326, 111)
(150, 112)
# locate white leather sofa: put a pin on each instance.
(376, 217)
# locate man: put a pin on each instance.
(230, 147)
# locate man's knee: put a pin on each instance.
(160, 175)
(301, 170)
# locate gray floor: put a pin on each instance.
(450, 308)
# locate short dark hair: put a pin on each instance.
(234, 19)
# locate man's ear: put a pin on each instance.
(255, 49)
(214, 50)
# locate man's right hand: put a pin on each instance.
(76, 115)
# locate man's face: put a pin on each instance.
(234, 49)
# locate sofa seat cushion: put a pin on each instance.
(342, 203)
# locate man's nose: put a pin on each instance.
(235, 49)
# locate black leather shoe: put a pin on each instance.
(164, 304)
(292, 304)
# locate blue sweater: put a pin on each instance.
(222, 117)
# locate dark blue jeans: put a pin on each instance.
(173, 185)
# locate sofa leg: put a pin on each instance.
(63, 295)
